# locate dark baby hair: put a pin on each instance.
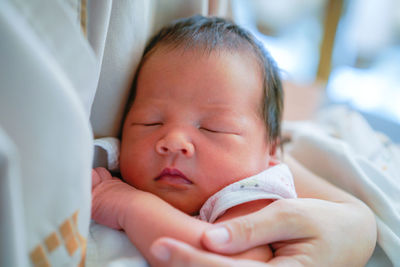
(212, 33)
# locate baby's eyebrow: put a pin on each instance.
(145, 108)
(220, 108)
(226, 116)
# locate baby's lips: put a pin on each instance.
(172, 172)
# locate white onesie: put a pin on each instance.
(274, 183)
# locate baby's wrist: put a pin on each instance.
(130, 206)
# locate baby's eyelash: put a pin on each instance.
(220, 131)
(152, 124)
(146, 124)
(209, 130)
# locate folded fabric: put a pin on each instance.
(107, 153)
(341, 147)
(274, 183)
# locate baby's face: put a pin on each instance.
(195, 126)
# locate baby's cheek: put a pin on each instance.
(133, 164)
(135, 176)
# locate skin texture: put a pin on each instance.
(201, 117)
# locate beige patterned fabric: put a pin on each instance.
(48, 82)
(64, 62)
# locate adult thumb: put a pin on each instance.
(281, 220)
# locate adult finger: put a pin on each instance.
(171, 252)
(281, 220)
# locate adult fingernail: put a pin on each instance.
(218, 235)
(161, 252)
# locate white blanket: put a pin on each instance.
(339, 146)
(359, 160)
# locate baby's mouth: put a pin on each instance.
(173, 177)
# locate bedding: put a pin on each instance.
(359, 160)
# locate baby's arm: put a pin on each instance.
(145, 217)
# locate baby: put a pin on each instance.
(199, 138)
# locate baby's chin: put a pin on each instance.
(190, 207)
(188, 202)
(189, 210)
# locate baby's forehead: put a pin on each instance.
(202, 47)
(220, 76)
(172, 57)
(201, 51)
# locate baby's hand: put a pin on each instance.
(110, 198)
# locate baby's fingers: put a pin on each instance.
(103, 173)
(98, 175)
(96, 180)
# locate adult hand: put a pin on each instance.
(302, 232)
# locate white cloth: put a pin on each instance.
(107, 247)
(274, 183)
(118, 32)
(46, 143)
(341, 147)
(110, 158)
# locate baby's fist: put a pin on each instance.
(110, 197)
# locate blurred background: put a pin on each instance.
(340, 51)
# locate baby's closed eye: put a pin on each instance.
(147, 123)
(220, 127)
(219, 130)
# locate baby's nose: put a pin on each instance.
(175, 143)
